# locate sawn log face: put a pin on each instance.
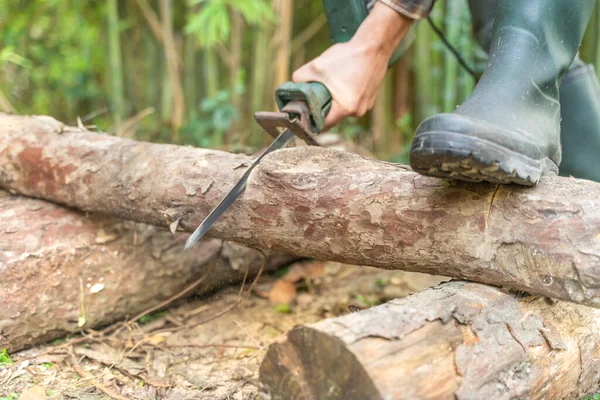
(459, 340)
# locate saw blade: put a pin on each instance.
(237, 190)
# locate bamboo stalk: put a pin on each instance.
(421, 69)
(235, 66)
(173, 73)
(211, 72)
(259, 80)
(115, 73)
(452, 30)
(437, 59)
(466, 82)
(284, 11)
(189, 72)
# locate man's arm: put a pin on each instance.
(354, 71)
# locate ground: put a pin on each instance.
(205, 348)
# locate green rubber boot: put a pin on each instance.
(580, 136)
(579, 103)
(508, 130)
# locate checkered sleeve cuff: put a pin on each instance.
(415, 9)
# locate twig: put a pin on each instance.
(165, 303)
(81, 372)
(94, 114)
(131, 122)
(239, 300)
(204, 346)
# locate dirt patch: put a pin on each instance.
(205, 348)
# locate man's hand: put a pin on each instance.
(353, 71)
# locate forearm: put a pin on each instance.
(382, 31)
(414, 9)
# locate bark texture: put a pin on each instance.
(51, 256)
(325, 204)
(459, 340)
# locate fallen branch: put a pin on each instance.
(125, 268)
(459, 340)
(324, 204)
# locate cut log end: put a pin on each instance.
(460, 340)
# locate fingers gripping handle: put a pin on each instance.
(315, 94)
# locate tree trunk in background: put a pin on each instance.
(211, 72)
(50, 256)
(452, 30)
(423, 87)
(260, 81)
(401, 103)
(436, 74)
(380, 115)
(284, 11)
(190, 73)
(152, 71)
(325, 204)
(173, 72)
(115, 75)
(235, 67)
(459, 340)
(467, 50)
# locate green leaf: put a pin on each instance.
(282, 308)
(4, 358)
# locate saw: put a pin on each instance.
(303, 106)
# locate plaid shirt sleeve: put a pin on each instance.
(415, 9)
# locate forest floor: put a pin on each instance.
(204, 348)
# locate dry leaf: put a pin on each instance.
(156, 339)
(34, 393)
(299, 271)
(282, 292)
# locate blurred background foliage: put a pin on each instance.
(193, 72)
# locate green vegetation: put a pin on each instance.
(151, 317)
(194, 72)
(4, 358)
(282, 308)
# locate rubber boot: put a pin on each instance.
(508, 130)
(579, 103)
(580, 136)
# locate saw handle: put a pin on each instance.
(316, 96)
(343, 18)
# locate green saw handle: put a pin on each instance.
(343, 18)
(316, 96)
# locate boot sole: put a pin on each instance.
(472, 159)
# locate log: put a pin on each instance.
(459, 340)
(50, 256)
(325, 204)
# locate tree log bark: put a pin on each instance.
(459, 340)
(51, 256)
(325, 204)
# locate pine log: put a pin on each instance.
(325, 204)
(459, 340)
(51, 256)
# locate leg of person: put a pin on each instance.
(579, 103)
(580, 109)
(508, 130)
